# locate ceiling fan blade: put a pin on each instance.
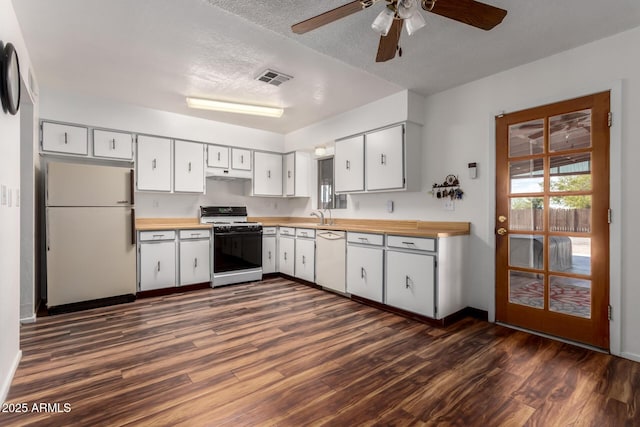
(389, 43)
(470, 12)
(327, 17)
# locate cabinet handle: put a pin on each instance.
(304, 260)
(406, 282)
(159, 236)
(408, 243)
(154, 163)
(285, 256)
(189, 166)
(158, 266)
(288, 174)
(113, 144)
(362, 272)
(66, 138)
(383, 159)
(269, 174)
(364, 239)
(242, 159)
(269, 255)
(195, 234)
(218, 156)
(348, 165)
(195, 263)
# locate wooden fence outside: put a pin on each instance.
(569, 220)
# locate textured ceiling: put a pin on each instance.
(153, 53)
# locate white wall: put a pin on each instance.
(10, 213)
(459, 128)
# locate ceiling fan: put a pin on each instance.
(397, 13)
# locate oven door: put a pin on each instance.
(237, 250)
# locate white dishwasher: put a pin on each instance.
(330, 260)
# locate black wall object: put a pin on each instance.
(9, 79)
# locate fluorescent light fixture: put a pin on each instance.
(231, 107)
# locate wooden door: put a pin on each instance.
(552, 230)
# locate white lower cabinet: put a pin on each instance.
(195, 261)
(364, 272)
(286, 254)
(410, 282)
(157, 264)
(269, 250)
(305, 256)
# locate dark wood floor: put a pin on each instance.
(281, 353)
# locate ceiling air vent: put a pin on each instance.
(272, 77)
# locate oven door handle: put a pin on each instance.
(237, 233)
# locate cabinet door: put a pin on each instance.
(217, 156)
(384, 152)
(189, 167)
(153, 164)
(286, 255)
(305, 259)
(113, 145)
(157, 265)
(364, 272)
(267, 174)
(194, 262)
(410, 282)
(290, 174)
(349, 164)
(64, 139)
(240, 159)
(269, 255)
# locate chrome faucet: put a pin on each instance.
(330, 222)
(320, 216)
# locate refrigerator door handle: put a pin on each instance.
(133, 226)
(132, 185)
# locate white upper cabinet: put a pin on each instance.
(297, 174)
(349, 164)
(112, 145)
(384, 159)
(217, 156)
(267, 174)
(240, 159)
(65, 139)
(153, 163)
(188, 167)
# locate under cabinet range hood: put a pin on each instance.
(224, 174)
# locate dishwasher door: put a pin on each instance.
(330, 260)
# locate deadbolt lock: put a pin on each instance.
(502, 218)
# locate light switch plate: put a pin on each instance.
(3, 195)
(449, 205)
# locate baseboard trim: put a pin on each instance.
(6, 384)
(630, 356)
(172, 290)
(86, 305)
(30, 319)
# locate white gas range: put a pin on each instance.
(237, 244)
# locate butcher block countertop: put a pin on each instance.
(144, 224)
(402, 228)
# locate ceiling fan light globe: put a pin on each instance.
(407, 8)
(414, 23)
(383, 21)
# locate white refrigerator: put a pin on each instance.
(90, 234)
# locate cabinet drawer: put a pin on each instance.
(195, 234)
(306, 232)
(269, 231)
(157, 235)
(365, 238)
(64, 138)
(114, 145)
(416, 243)
(287, 231)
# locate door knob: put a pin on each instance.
(501, 231)
(502, 218)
